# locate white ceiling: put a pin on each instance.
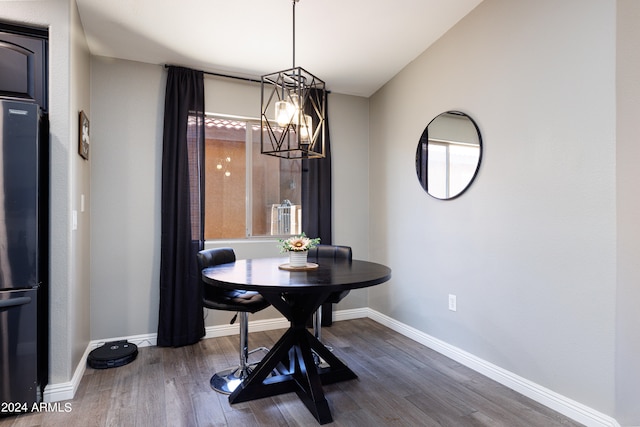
(355, 46)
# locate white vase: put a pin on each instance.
(298, 258)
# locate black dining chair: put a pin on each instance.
(330, 252)
(243, 303)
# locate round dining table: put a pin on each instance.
(291, 364)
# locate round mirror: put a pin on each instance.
(448, 155)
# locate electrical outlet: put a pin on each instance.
(453, 305)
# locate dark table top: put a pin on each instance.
(264, 276)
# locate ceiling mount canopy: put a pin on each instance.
(293, 111)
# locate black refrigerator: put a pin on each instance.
(23, 255)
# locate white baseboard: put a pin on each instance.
(65, 391)
(277, 323)
(570, 408)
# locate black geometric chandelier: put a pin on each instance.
(293, 111)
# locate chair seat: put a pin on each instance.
(233, 300)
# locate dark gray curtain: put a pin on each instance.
(316, 191)
(316, 200)
(180, 318)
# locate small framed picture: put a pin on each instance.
(83, 136)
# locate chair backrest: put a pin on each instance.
(217, 298)
(336, 252)
(211, 257)
(331, 251)
(213, 297)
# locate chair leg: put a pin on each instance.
(317, 324)
(317, 332)
(244, 344)
(226, 381)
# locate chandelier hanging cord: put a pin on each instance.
(294, 33)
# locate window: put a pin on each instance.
(247, 194)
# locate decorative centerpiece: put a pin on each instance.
(298, 248)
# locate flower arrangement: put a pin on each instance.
(299, 243)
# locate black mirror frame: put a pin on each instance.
(424, 139)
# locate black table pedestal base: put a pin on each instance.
(293, 357)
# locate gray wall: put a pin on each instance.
(127, 111)
(127, 102)
(530, 249)
(79, 196)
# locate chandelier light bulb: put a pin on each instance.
(306, 127)
(284, 113)
(295, 100)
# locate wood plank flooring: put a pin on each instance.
(400, 383)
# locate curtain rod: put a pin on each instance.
(228, 76)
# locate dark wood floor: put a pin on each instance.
(401, 383)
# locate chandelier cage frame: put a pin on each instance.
(292, 113)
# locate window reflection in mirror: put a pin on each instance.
(448, 155)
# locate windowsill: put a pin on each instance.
(246, 240)
(256, 247)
